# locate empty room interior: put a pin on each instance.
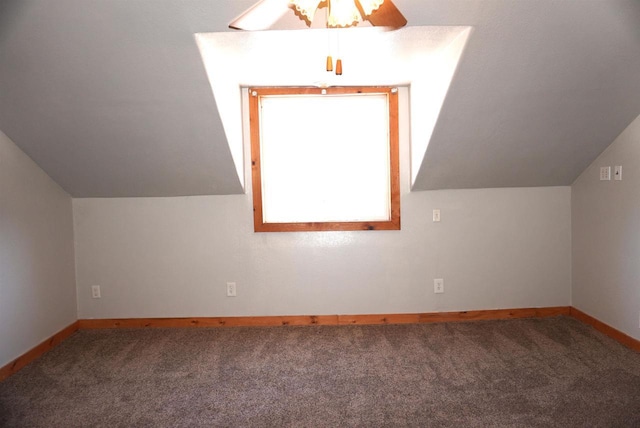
(270, 213)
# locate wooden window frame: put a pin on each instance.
(394, 160)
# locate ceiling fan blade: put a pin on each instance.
(387, 15)
(261, 16)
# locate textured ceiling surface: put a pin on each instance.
(543, 88)
(111, 98)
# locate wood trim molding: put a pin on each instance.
(34, 353)
(271, 321)
(496, 314)
(621, 337)
(274, 321)
(433, 317)
(255, 116)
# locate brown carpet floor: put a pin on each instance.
(553, 372)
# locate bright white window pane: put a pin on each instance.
(325, 158)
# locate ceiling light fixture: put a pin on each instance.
(342, 13)
(339, 14)
(265, 14)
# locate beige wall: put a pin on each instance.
(37, 279)
(171, 257)
(606, 237)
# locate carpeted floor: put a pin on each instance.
(553, 372)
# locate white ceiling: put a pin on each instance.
(111, 97)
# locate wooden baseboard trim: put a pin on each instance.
(432, 317)
(270, 321)
(34, 353)
(273, 321)
(497, 314)
(621, 337)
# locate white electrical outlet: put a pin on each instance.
(95, 291)
(605, 173)
(436, 216)
(617, 173)
(231, 289)
(438, 285)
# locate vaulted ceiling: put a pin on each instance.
(111, 97)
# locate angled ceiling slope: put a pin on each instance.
(111, 97)
(544, 87)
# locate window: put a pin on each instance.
(325, 159)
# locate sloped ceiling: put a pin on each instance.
(111, 98)
(544, 87)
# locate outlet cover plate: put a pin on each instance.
(231, 289)
(95, 292)
(438, 286)
(617, 173)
